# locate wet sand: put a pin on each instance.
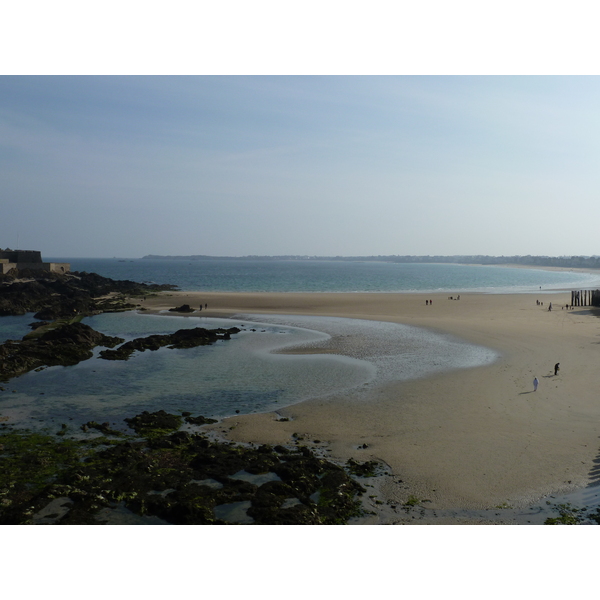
(469, 439)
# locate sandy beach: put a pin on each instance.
(469, 439)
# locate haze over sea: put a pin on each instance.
(332, 276)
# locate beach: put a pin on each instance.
(474, 438)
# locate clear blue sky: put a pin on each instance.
(125, 166)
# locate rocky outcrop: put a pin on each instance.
(53, 295)
(61, 297)
(183, 338)
(177, 476)
(184, 308)
(65, 345)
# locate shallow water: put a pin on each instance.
(397, 352)
(230, 376)
(241, 375)
(15, 327)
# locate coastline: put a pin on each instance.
(470, 439)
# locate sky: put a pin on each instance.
(236, 165)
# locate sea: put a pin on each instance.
(333, 276)
(251, 372)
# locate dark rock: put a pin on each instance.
(54, 295)
(184, 308)
(66, 345)
(183, 338)
(199, 420)
(160, 420)
(162, 476)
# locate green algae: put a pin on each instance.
(161, 471)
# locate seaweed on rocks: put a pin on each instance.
(156, 422)
(162, 472)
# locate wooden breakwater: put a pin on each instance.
(585, 298)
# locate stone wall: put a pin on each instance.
(59, 267)
(6, 266)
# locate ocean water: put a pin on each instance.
(333, 276)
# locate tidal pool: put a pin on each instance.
(242, 375)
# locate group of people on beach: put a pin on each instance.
(536, 381)
(429, 302)
(566, 306)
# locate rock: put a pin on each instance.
(55, 295)
(185, 308)
(200, 420)
(66, 345)
(183, 338)
(177, 477)
(159, 420)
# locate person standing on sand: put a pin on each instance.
(556, 368)
(535, 384)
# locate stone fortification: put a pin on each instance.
(28, 259)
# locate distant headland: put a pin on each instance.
(570, 262)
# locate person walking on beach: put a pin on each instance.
(556, 368)
(535, 384)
